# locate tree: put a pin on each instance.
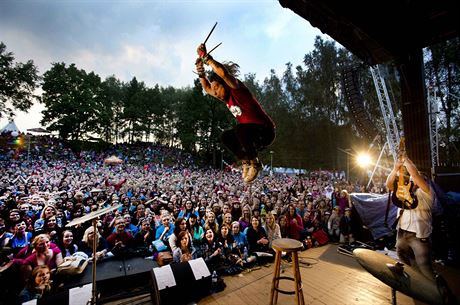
(73, 101)
(112, 107)
(17, 83)
(443, 74)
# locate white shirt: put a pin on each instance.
(418, 220)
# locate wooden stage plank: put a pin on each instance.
(330, 278)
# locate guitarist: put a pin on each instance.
(414, 227)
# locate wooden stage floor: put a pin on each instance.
(328, 278)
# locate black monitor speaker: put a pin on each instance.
(180, 283)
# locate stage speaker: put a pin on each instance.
(355, 102)
(180, 283)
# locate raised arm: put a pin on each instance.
(202, 77)
(391, 177)
(403, 160)
(220, 70)
(217, 68)
(416, 176)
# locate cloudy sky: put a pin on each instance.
(153, 40)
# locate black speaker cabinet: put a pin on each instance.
(180, 283)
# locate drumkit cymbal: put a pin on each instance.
(399, 276)
(93, 215)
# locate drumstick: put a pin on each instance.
(214, 48)
(212, 30)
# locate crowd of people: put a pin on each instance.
(170, 209)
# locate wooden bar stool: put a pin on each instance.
(291, 247)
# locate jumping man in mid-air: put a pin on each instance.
(255, 129)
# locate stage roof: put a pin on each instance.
(381, 31)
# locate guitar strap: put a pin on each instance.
(401, 211)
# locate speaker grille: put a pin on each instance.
(355, 103)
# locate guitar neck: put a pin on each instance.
(401, 176)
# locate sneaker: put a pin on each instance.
(245, 164)
(254, 169)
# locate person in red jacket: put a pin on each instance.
(255, 130)
(294, 224)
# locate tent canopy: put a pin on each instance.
(41, 130)
(10, 127)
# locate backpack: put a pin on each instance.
(74, 264)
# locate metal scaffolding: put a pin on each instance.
(391, 128)
(433, 123)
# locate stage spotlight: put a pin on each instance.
(363, 160)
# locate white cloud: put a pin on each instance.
(278, 26)
(154, 41)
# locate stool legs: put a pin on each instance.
(297, 279)
(275, 282)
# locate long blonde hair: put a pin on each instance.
(267, 222)
(87, 232)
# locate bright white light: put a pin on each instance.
(363, 159)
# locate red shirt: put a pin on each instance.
(51, 262)
(246, 109)
(125, 237)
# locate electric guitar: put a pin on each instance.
(403, 193)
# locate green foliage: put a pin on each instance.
(306, 103)
(109, 118)
(17, 83)
(443, 78)
(73, 101)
